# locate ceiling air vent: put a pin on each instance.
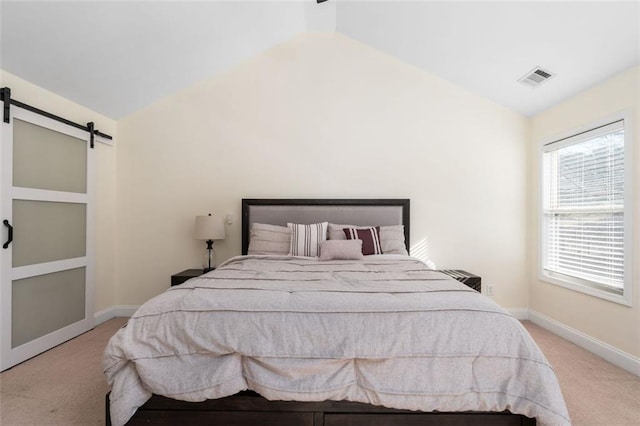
(535, 77)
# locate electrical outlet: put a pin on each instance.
(490, 290)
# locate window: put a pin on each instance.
(586, 212)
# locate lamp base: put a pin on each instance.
(208, 262)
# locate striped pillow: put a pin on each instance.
(370, 238)
(306, 239)
(391, 237)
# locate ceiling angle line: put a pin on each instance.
(7, 100)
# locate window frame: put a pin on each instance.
(579, 284)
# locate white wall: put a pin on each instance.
(31, 94)
(609, 322)
(324, 116)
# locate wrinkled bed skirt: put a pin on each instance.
(249, 408)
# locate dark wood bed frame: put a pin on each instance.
(248, 408)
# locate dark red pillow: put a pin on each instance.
(370, 238)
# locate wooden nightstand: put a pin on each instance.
(473, 281)
(180, 277)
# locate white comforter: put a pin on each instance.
(384, 331)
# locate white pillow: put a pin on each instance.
(392, 240)
(341, 250)
(391, 237)
(306, 239)
(269, 239)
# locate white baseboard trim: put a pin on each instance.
(126, 310)
(519, 313)
(104, 315)
(604, 350)
(114, 311)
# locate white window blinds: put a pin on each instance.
(583, 207)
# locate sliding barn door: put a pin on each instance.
(46, 294)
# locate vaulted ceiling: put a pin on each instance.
(118, 57)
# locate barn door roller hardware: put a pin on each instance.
(7, 101)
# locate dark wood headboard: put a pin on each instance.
(362, 212)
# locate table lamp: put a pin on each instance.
(209, 228)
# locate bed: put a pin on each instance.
(289, 340)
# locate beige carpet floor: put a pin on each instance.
(597, 393)
(65, 385)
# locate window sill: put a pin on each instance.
(576, 284)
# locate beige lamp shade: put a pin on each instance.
(209, 228)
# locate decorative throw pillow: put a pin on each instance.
(370, 239)
(341, 250)
(336, 232)
(269, 239)
(391, 237)
(306, 239)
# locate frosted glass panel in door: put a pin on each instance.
(46, 303)
(46, 159)
(46, 231)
